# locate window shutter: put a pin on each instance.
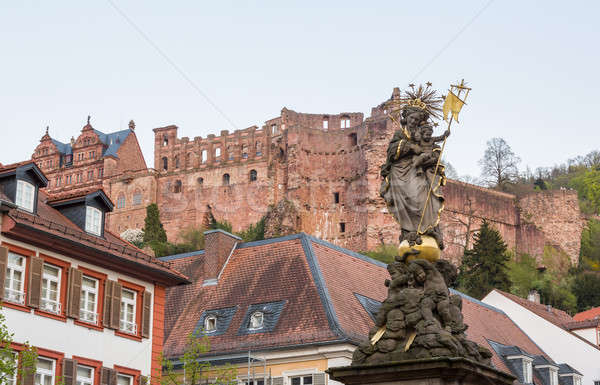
(277, 381)
(319, 379)
(113, 377)
(108, 287)
(105, 376)
(115, 306)
(74, 297)
(69, 371)
(146, 314)
(35, 281)
(3, 263)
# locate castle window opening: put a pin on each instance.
(273, 129)
(325, 123)
(165, 141)
(121, 201)
(165, 163)
(342, 227)
(204, 156)
(225, 179)
(258, 148)
(176, 161)
(218, 152)
(336, 197)
(188, 160)
(178, 187)
(230, 152)
(353, 139)
(100, 172)
(345, 122)
(137, 198)
(245, 151)
(90, 175)
(253, 175)
(200, 180)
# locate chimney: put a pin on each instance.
(534, 296)
(218, 247)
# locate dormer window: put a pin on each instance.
(256, 320)
(527, 371)
(210, 324)
(554, 377)
(93, 221)
(25, 195)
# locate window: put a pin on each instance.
(253, 175)
(165, 141)
(85, 375)
(79, 177)
(273, 129)
(255, 381)
(258, 148)
(577, 381)
(554, 377)
(121, 201)
(93, 221)
(177, 161)
(245, 151)
(301, 380)
(128, 324)
(527, 371)
(230, 152)
(225, 179)
(353, 139)
(88, 305)
(137, 198)
(165, 163)
(188, 160)
(68, 179)
(69, 159)
(90, 175)
(200, 180)
(50, 300)
(25, 195)
(58, 181)
(345, 122)
(210, 323)
(44, 371)
(256, 320)
(342, 227)
(217, 152)
(100, 172)
(204, 156)
(178, 187)
(123, 379)
(325, 123)
(14, 282)
(336, 197)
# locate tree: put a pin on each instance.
(586, 287)
(194, 365)
(9, 368)
(484, 268)
(385, 253)
(466, 222)
(153, 228)
(589, 253)
(499, 163)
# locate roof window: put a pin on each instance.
(25, 197)
(215, 321)
(210, 324)
(93, 220)
(261, 318)
(256, 320)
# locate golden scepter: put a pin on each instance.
(452, 103)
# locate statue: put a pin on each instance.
(419, 318)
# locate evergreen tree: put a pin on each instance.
(484, 267)
(586, 287)
(153, 228)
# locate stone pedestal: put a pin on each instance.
(431, 371)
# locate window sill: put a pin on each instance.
(88, 325)
(16, 306)
(127, 335)
(43, 313)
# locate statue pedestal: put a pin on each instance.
(431, 371)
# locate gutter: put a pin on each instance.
(5, 206)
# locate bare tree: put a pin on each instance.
(467, 222)
(499, 163)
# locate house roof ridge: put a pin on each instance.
(346, 251)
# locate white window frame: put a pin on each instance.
(93, 220)
(302, 377)
(527, 371)
(253, 317)
(325, 124)
(218, 152)
(124, 325)
(46, 303)
(207, 321)
(84, 380)
(204, 156)
(42, 373)
(86, 315)
(25, 195)
(345, 123)
(554, 376)
(11, 294)
(129, 378)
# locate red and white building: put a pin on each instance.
(91, 303)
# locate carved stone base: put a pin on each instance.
(432, 371)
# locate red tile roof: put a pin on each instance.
(14, 166)
(72, 194)
(588, 314)
(314, 277)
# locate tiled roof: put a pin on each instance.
(112, 140)
(72, 194)
(14, 166)
(555, 316)
(588, 314)
(53, 225)
(322, 284)
(585, 324)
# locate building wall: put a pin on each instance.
(558, 343)
(75, 340)
(590, 334)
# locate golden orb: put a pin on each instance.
(429, 249)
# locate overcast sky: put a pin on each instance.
(533, 66)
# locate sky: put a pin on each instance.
(226, 65)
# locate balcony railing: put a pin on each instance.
(50, 306)
(88, 316)
(14, 296)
